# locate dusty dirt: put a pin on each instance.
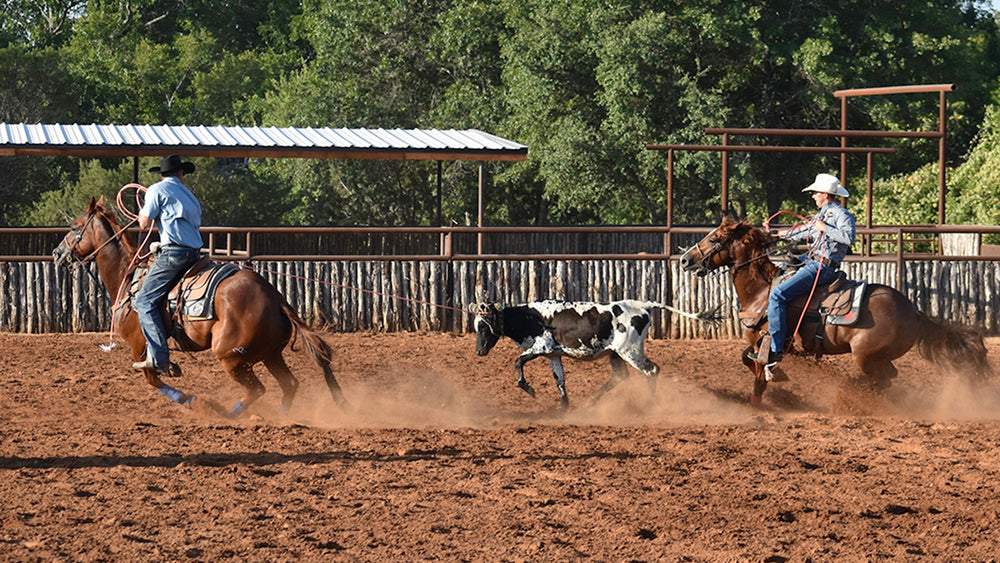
(442, 457)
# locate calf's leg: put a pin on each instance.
(560, 375)
(619, 371)
(639, 361)
(519, 366)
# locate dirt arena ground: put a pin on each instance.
(442, 457)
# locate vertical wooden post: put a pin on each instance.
(668, 243)
(843, 138)
(869, 202)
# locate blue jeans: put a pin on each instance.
(170, 264)
(800, 283)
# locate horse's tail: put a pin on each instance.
(316, 348)
(960, 347)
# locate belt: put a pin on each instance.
(827, 262)
(171, 245)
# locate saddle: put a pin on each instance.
(836, 303)
(193, 297)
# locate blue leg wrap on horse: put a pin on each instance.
(174, 394)
(237, 409)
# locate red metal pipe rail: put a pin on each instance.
(940, 89)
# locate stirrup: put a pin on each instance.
(170, 370)
(774, 373)
(771, 359)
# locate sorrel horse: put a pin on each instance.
(888, 324)
(252, 323)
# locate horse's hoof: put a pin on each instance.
(173, 371)
(755, 402)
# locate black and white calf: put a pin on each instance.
(585, 331)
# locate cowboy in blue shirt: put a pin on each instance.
(830, 234)
(177, 214)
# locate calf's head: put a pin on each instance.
(489, 327)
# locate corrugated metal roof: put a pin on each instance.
(270, 142)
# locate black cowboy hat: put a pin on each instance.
(170, 163)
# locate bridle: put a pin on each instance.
(77, 235)
(705, 257)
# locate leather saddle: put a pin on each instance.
(836, 303)
(193, 297)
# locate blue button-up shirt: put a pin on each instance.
(832, 244)
(176, 211)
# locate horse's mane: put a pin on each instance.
(107, 215)
(111, 218)
(755, 240)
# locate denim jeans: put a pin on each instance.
(800, 283)
(170, 264)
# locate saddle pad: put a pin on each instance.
(197, 293)
(850, 316)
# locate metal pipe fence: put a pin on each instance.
(897, 242)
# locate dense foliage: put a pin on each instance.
(585, 84)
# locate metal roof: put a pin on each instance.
(260, 142)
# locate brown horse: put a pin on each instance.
(252, 322)
(888, 324)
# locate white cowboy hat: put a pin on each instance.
(827, 184)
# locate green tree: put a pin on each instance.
(975, 184)
(372, 68)
(231, 194)
(34, 88)
(585, 84)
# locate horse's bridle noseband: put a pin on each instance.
(703, 257)
(77, 235)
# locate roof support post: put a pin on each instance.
(479, 221)
(668, 241)
(439, 214)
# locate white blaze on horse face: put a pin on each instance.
(687, 261)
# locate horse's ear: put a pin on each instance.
(100, 202)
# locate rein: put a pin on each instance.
(119, 303)
(81, 261)
(767, 254)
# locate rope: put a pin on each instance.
(805, 307)
(138, 256)
(706, 316)
(767, 224)
(812, 292)
(134, 218)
